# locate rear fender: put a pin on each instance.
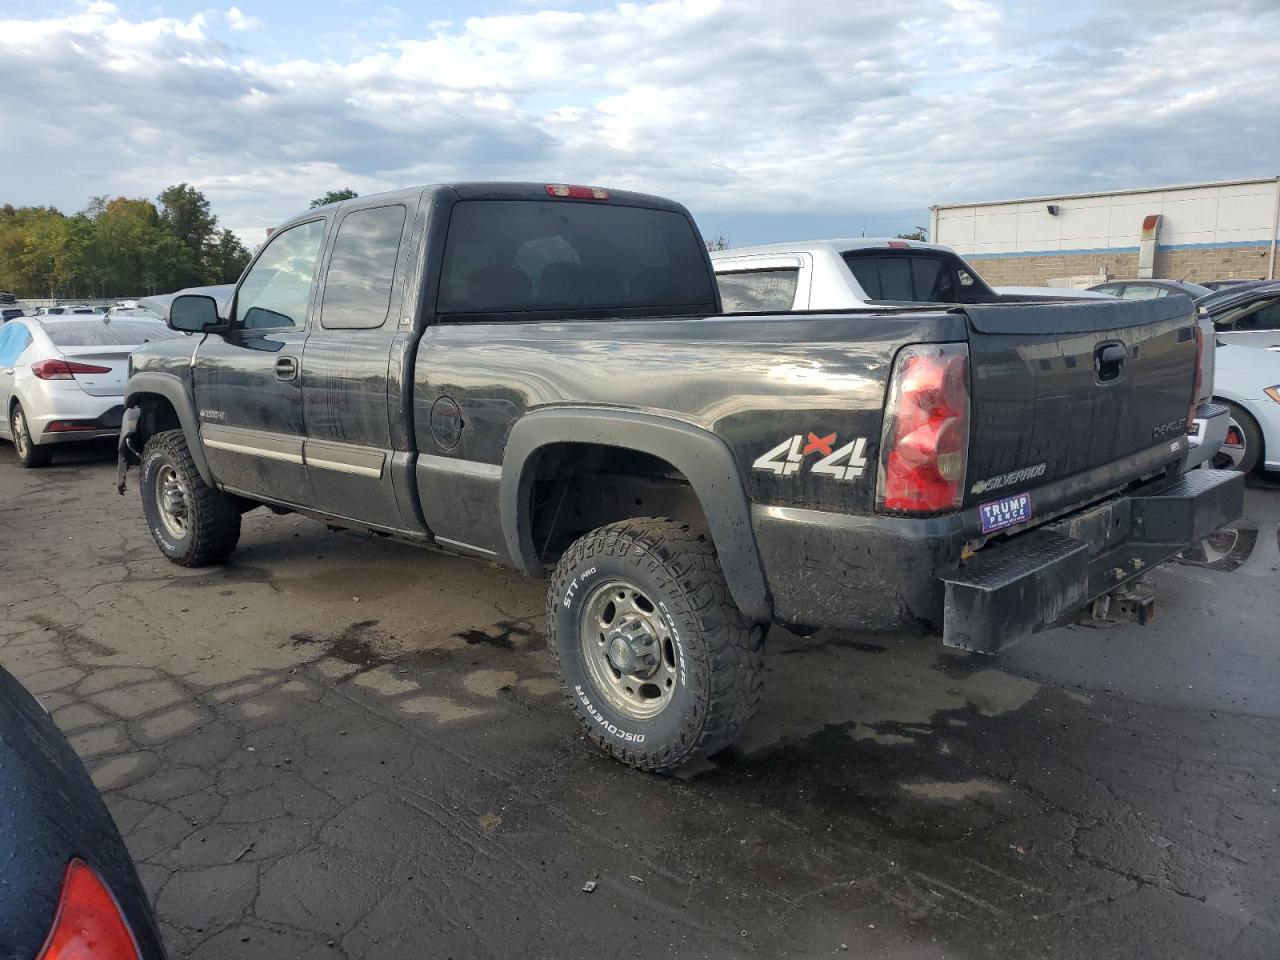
(703, 458)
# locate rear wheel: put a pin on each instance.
(193, 524)
(29, 454)
(658, 663)
(1242, 450)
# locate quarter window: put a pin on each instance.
(13, 340)
(357, 286)
(277, 289)
(754, 291)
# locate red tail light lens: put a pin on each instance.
(64, 369)
(1199, 381)
(924, 447)
(87, 925)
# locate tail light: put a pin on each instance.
(1199, 380)
(924, 447)
(88, 924)
(64, 369)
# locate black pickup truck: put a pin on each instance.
(541, 375)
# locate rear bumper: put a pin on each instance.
(883, 573)
(1207, 435)
(1046, 575)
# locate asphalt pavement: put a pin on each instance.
(338, 746)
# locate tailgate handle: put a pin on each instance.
(1108, 361)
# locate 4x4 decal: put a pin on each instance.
(841, 463)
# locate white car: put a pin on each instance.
(62, 378)
(862, 271)
(1248, 381)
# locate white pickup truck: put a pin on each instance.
(861, 271)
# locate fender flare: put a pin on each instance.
(183, 402)
(700, 455)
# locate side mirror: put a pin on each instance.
(194, 313)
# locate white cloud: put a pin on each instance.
(749, 106)
(240, 21)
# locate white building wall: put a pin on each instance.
(1231, 214)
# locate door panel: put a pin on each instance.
(346, 367)
(248, 382)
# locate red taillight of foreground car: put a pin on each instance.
(88, 924)
(64, 369)
(1199, 380)
(924, 447)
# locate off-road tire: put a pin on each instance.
(213, 517)
(721, 651)
(34, 456)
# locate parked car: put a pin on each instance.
(1147, 289)
(844, 274)
(1249, 383)
(542, 376)
(7, 297)
(1232, 284)
(159, 303)
(1248, 317)
(70, 889)
(62, 379)
(9, 313)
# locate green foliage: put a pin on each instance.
(117, 247)
(334, 196)
(919, 233)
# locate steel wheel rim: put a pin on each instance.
(20, 432)
(629, 650)
(171, 501)
(1231, 455)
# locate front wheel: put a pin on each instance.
(1242, 450)
(193, 524)
(29, 454)
(658, 663)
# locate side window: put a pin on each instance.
(357, 286)
(13, 341)
(755, 291)
(277, 288)
(1262, 316)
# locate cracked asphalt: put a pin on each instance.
(340, 746)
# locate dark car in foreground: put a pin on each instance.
(68, 888)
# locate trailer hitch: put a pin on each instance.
(1135, 602)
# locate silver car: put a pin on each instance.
(62, 378)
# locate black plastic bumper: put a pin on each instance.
(1045, 576)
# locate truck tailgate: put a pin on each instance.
(1063, 388)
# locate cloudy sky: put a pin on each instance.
(770, 120)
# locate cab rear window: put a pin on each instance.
(533, 256)
(758, 291)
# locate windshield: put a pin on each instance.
(95, 333)
(532, 255)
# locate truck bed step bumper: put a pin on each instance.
(1043, 577)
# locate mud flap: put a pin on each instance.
(125, 454)
(1045, 576)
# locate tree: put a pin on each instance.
(919, 233)
(226, 259)
(184, 210)
(719, 242)
(334, 196)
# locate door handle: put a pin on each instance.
(286, 368)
